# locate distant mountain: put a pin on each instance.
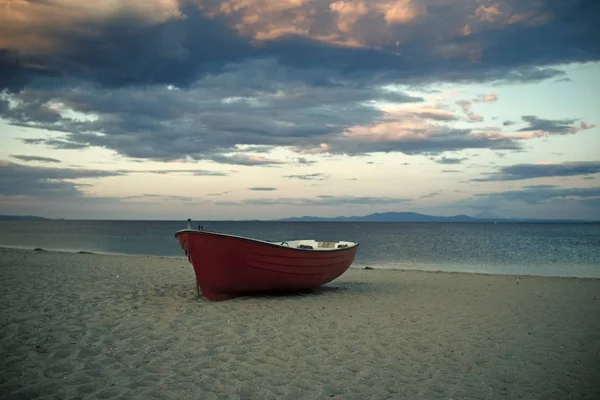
(19, 217)
(413, 217)
(487, 215)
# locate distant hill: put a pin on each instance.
(414, 217)
(19, 217)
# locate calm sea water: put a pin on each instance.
(531, 249)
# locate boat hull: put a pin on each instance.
(229, 266)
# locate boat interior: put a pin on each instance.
(315, 245)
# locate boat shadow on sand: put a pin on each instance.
(320, 291)
(355, 288)
(345, 288)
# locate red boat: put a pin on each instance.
(228, 266)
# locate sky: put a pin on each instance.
(256, 109)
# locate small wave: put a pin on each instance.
(567, 272)
(89, 252)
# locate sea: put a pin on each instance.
(541, 249)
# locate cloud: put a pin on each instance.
(220, 193)
(309, 177)
(425, 112)
(303, 75)
(539, 201)
(302, 160)
(472, 117)
(262, 189)
(486, 98)
(322, 200)
(553, 127)
(35, 158)
(542, 193)
(395, 40)
(225, 118)
(432, 194)
(450, 171)
(449, 160)
(413, 137)
(197, 172)
(531, 171)
(465, 106)
(158, 198)
(244, 159)
(23, 180)
(49, 182)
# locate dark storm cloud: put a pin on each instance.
(259, 106)
(451, 40)
(530, 171)
(424, 140)
(54, 143)
(237, 80)
(558, 127)
(542, 193)
(23, 180)
(35, 158)
(173, 51)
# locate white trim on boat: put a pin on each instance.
(316, 245)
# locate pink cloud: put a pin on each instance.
(401, 11)
(529, 19)
(486, 98)
(28, 26)
(490, 14)
(464, 30)
(465, 105)
(525, 135)
(582, 127)
(546, 163)
(348, 13)
(500, 14)
(474, 117)
(25, 23)
(322, 148)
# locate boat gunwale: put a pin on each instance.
(274, 244)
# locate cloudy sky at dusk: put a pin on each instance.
(241, 109)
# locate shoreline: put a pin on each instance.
(352, 267)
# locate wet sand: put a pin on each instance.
(98, 326)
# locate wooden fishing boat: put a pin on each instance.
(227, 266)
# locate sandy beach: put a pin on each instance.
(98, 326)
